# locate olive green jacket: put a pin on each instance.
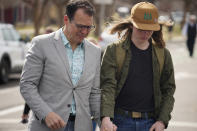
(164, 86)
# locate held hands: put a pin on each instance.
(54, 121)
(158, 126)
(107, 125)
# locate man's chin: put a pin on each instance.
(80, 40)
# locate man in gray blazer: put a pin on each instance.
(61, 76)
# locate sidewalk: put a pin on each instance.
(184, 115)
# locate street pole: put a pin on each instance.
(102, 4)
(102, 14)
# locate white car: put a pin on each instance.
(106, 38)
(12, 51)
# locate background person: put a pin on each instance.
(189, 30)
(25, 115)
(170, 27)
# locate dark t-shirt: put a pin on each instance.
(137, 92)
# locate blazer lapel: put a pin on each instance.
(62, 52)
(87, 62)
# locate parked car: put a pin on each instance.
(12, 51)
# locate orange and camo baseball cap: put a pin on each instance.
(144, 16)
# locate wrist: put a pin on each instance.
(162, 123)
(105, 118)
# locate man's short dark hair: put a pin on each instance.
(74, 5)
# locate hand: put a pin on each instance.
(158, 126)
(25, 116)
(54, 121)
(107, 125)
(114, 127)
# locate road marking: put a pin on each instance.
(183, 124)
(4, 91)
(11, 110)
(9, 121)
(183, 75)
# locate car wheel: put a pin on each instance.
(4, 71)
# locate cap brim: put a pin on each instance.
(152, 27)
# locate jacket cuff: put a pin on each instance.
(107, 112)
(41, 117)
(164, 121)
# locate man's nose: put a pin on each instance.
(85, 31)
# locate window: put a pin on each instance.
(15, 34)
(1, 37)
(7, 35)
(10, 34)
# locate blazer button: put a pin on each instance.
(68, 105)
(74, 88)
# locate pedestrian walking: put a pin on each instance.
(60, 80)
(189, 30)
(25, 115)
(137, 75)
(170, 27)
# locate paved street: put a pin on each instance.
(11, 106)
(184, 116)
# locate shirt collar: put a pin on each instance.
(65, 40)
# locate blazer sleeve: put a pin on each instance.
(95, 95)
(30, 78)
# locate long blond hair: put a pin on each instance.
(124, 29)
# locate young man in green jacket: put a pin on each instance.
(137, 75)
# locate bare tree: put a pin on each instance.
(6, 3)
(97, 23)
(38, 10)
(189, 6)
(109, 10)
(60, 4)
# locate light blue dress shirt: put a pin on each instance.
(76, 62)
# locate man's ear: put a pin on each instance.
(66, 19)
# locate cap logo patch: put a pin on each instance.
(147, 16)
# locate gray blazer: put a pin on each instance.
(47, 87)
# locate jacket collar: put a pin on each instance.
(126, 43)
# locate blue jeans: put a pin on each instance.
(125, 123)
(69, 126)
(94, 125)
